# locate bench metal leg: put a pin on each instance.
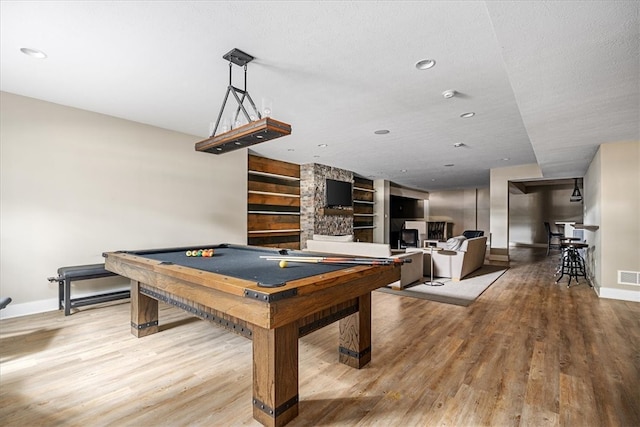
(67, 297)
(60, 294)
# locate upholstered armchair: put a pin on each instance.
(456, 258)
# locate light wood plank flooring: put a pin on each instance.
(528, 352)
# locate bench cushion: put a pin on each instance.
(90, 271)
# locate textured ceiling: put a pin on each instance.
(549, 81)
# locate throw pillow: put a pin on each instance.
(454, 243)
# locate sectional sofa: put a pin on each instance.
(456, 258)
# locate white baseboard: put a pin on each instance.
(51, 304)
(620, 294)
(33, 307)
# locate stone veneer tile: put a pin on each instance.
(312, 200)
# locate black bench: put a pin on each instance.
(66, 275)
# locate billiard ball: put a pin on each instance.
(283, 263)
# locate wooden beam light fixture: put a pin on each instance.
(257, 128)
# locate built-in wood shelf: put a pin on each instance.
(275, 175)
(274, 213)
(587, 227)
(364, 189)
(363, 206)
(338, 212)
(273, 203)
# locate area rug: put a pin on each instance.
(462, 293)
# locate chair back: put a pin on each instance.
(470, 234)
(408, 238)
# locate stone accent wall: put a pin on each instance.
(312, 200)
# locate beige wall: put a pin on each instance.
(381, 211)
(466, 209)
(76, 183)
(612, 201)
(499, 205)
(592, 215)
(528, 212)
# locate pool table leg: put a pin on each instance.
(355, 335)
(144, 312)
(275, 374)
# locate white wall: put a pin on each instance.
(75, 184)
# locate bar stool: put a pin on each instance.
(572, 262)
(563, 251)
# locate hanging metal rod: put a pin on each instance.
(240, 58)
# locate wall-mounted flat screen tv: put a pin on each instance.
(339, 194)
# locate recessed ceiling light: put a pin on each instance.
(425, 64)
(403, 171)
(448, 165)
(449, 93)
(323, 145)
(467, 115)
(506, 159)
(459, 144)
(34, 53)
(381, 132)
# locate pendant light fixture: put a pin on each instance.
(576, 196)
(243, 128)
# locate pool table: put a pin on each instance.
(242, 291)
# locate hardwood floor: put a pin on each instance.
(528, 352)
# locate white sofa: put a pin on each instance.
(455, 262)
(410, 272)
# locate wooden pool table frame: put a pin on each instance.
(273, 318)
